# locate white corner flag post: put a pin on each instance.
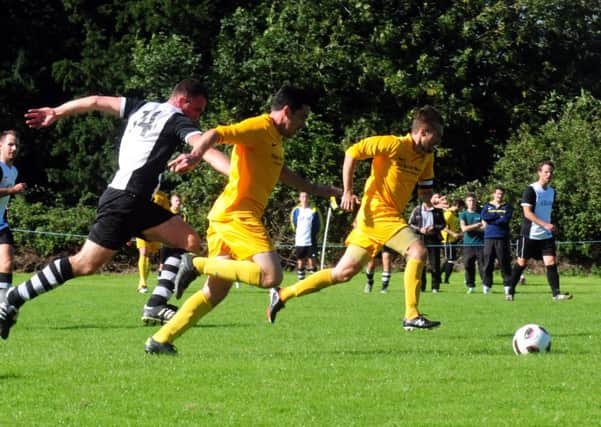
(333, 205)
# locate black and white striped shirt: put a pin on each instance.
(153, 133)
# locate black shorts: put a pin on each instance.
(303, 252)
(122, 215)
(6, 237)
(535, 249)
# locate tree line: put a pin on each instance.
(516, 81)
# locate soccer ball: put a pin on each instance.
(531, 338)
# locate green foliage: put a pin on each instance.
(47, 230)
(490, 66)
(160, 63)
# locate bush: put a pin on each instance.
(48, 231)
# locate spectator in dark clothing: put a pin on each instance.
(496, 216)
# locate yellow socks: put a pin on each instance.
(412, 279)
(143, 269)
(313, 283)
(193, 309)
(230, 270)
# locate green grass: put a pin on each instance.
(336, 358)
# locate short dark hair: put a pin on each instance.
(191, 88)
(12, 132)
(428, 115)
(471, 194)
(543, 163)
(500, 187)
(457, 202)
(293, 97)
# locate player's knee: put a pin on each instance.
(346, 273)
(271, 279)
(80, 267)
(193, 243)
(417, 251)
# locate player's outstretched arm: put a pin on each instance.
(294, 180)
(43, 117)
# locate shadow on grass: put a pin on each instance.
(149, 327)
(10, 377)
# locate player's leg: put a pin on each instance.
(349, 265)
(225, 241)
(300, 263)
(202, 302)
(194, 308)
(450, 255)
(370, 269)
(6, 260)
(175, 233)
(505, 262)
(386, 269)
(408, 243)
(243, 239)
(143, 265)
(157, 309)
(547, 248)
(312, 260)
(519, 266)
(87, 261)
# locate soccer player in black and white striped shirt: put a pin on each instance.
(537, 235)
(153, 133)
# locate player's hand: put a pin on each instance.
(550, 227)
(348, 201)
(20, 187)
(40, 117)
(183, 163)
(440, 202)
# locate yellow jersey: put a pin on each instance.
(452, 222)
(395, 170)
(256, 164)
(161, 199)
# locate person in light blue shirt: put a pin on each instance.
(537, 238)
(9, 141)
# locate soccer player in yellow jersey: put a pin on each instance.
(238, 244)
(398, 164)
(451, 236)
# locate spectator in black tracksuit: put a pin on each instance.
(496, 215)
(429, 221)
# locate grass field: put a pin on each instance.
(336, 358)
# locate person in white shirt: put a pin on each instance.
(537, 238)
(306, 223)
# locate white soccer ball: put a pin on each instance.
(531, 338)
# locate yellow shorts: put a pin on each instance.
(240, 238)
(373, 236)
(152, 247)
